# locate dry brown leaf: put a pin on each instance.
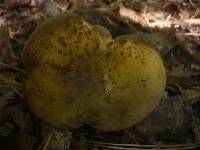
(4, 101)
(191, 95)
(6, 50)
(17, 115)
(181, 71)
(49, 7)
(76, 5)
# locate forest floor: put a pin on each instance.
(171, 26)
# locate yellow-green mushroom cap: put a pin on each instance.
(77, 74)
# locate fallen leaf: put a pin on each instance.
(6, 51)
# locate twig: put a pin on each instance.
(10, 83)
(194, 22)
(167, 19)
(135, 17)
(49, 138)
(192, 4)
(4, 66)
(189, 34)
(138, 146)
(46, 142)
(196, 14)
(132, 137)
(164, 53)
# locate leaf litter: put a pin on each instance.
(173, 27)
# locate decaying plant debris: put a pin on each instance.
(172, 27)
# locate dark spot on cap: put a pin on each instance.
(65, 54)
(88, 54)
(70, 52)
(130, 53)
(62, 41)
(143, 82)
(123, 40)
(115, 66)
(136, 43)
(39, 91)
(108, 55)
(107, 99)
(142, 62)
(51, 32)
(97, 45)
